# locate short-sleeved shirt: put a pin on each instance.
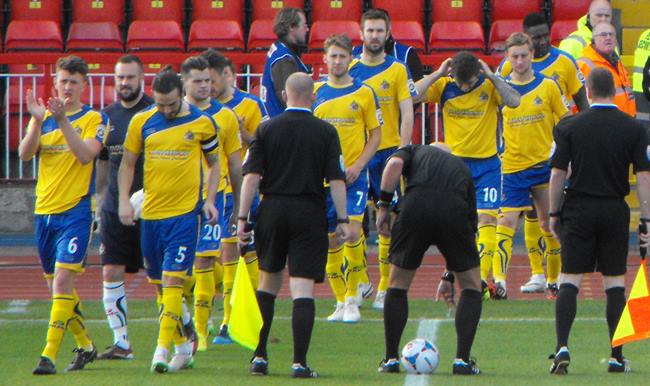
(62, 180)
(600, 143)
(294, 152)
(469, 117)
(248, 108)
(353, 109)
(173, 151)
(391, 81)
(228, 138)
(119, 118)
(557, 65)
(528, 128)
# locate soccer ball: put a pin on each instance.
(420, 356)
(136, 202)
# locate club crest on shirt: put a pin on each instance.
(189, 135)
(538, 101)
(354, 106)
(384, 85)
(77, 129)
(101, 131)
(483, 97)
(555, 76)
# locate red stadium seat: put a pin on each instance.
(94, 36)
(30, 35)
(261, 35)
(227, 34)
(98, 11)
(466, 10)
(569, 10)
(159, 10)
(321, 30)
(336, 10)
(406, 22)
(456, 35)
(37, 10)
(267, 9)
(501, 30)
(155, 35)
(561, 29)
(514, 9)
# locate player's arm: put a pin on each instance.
(124, 183)
(280, 73)
(406, 121)
(29, 145)
(210, 211)
(555, 192)
(84, 150)
(509, 95)
(369, 150)
(101, 182)
(249, 186)
(580, 99)
(245, 136)
(423, 84)
(389, 180)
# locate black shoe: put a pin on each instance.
(190, 333)
(460, 367)
(499, 292)
(259, 366)
(299, 371)
(44, 367)
(614, 366)
(81, 359)
(388, 366)
(561, 361)
(116, 352)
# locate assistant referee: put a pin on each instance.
(593, 222)
(289, 158)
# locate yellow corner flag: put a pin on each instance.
(245, 317)
(635, 320)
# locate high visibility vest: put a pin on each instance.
(641, 54)
(624, 97)
(577, 40)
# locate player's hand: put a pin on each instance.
(485, 68)
(446, 292)
(56, 105)
(126, 213)
(343, 232)
(383, 221)
(244, 234)
(445, 67)
(210, 212)
(555, 225)
(644, 240)
(352, 174)
(36, 107)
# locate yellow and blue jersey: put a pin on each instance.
(353, 109)
(173, 151)
(250, 109)
(557, 65)
(62, 180)
(228, 138)
(528, 129)
(391, 81)
(469, 118)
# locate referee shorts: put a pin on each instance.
(120, 244)
(433, 218)
(595, 235)
(292, 231)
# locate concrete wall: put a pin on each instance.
(17, 206)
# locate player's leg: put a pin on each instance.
(335, 264)
(552, 250)
(270, 284)
(302, 324)
(468, 314)
(566, 307)
(229, 261)
(353, 249)
(395, 315)
(252, 261)
(505, 232)
(535, 246)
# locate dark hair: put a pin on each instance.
(194, 63)
(534, 19)
(374, 14)
(601, 83)
(166, 81)
(465, 66)
(131, 59)
(216, 60)
(73, 64)
(339, 40)
(286, 19)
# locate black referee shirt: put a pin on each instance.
(429, 167)
(294, 152)
(600, 143)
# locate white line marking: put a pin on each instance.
(18, 306)
(427, 329)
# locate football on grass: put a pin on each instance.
(420, 356)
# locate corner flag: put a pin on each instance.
(245, 317)
(635, 320)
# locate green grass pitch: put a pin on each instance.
(511, 347)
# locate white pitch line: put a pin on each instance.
(17, 306)
(427, 329)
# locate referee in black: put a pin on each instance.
(592, 223)
(438, 208)
(288, 160)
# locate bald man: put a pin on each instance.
(288, 160)
(599, 11)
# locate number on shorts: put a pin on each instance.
(212, 232)
(360, 199)
(181, 254)
(490, 194)
(72, 245)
